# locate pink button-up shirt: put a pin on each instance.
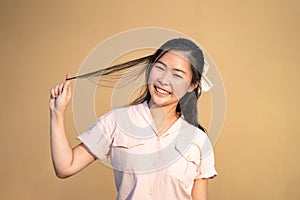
(147, 166)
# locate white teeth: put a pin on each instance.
(161, 91)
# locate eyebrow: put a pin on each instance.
(175, 69)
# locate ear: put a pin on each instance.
(193, 86)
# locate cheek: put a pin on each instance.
(151, 77)
(180, 88)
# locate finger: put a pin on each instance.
(52, 93)
(60, 88)
(67, 84)
(68, 75)
(56, 90)
(66, 88)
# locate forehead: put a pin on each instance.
(175, 60)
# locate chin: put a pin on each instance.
(162, 102)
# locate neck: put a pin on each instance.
(163, 116)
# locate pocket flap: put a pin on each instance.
(191, 152)
(122, 140)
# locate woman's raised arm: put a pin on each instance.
(66, 160)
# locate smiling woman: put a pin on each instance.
(169, 80)
(175, 154)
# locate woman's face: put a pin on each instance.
(170, 79)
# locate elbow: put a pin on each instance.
(62, 174)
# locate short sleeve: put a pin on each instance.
(206, 168)
(98, 137)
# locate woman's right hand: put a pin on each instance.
(60, 96)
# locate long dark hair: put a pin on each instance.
(187, 105)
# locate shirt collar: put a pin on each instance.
(174, 127)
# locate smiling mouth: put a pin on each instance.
(161, 90)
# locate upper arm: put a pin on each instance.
(200, 189)
(81, 158)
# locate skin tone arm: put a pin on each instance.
(66, 160)
(199, 191)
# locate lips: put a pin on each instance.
(161, 90)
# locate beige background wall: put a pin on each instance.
(255, 44)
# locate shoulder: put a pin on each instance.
(196, 131)
(194, 134)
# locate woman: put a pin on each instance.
(157, 148)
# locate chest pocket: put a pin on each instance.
(185, 168)
(125, 151)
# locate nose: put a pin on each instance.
(165, 78)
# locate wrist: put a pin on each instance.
(56, 115)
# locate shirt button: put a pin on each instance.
(128, 143)
(150, 192)
(189, 157)
(154, 163)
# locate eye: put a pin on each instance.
(178, 76)
(159, 67)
